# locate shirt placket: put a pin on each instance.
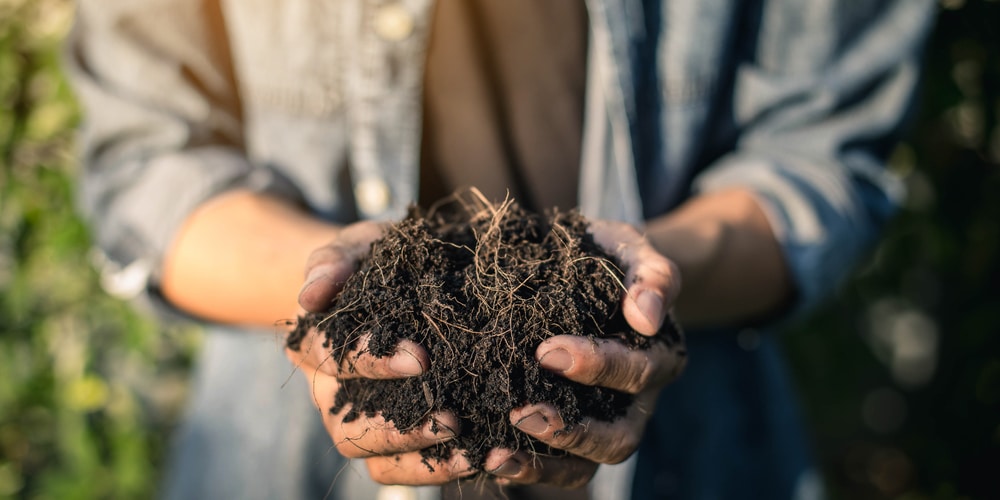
(383, 86)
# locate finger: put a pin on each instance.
(368, 436)
(609, 363)
(653, 285)
(372, 436)
(313, 356)
(323, 389)
(408, 360)
(325, 280)
(328, 267)
(595, 440)
(520, 467)
(412, 469)
(652, 281)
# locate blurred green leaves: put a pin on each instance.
(88, 388)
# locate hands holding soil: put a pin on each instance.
(651, 284)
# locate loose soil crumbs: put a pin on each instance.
(480, 286)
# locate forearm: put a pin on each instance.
(240, 258)
(732, 268)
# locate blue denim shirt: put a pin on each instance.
(319, 101)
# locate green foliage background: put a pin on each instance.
(88, 388)
(900, 376)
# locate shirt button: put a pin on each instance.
(372, 196)
(393, 22)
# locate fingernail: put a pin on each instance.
(461, 465)
(536, 423)
(314, 275)
(405, 363)
(437, 430)
(650, 304)
(510, 467)
(558, 360)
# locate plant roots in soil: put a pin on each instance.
(480, 286)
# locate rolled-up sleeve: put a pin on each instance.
(817, 105)
(162, 128)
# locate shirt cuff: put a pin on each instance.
(140, 219)
(825, 218)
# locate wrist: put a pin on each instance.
(731, 263)
(240, 258)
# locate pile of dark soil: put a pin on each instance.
(480, 286)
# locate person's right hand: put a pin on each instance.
(392, 457)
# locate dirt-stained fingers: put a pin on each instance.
(370, 436)
(652, 281)
(605, 363)
(412, 469)
(409, 359)
(522, 468)
(609, 363)
(329, 266)
(366, 437)
(594, 440)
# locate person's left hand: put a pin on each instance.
(653, 283)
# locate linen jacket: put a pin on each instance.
(319, 101)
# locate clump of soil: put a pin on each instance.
(480, 286)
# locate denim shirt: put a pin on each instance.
(319, 101)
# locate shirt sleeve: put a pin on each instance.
(162, 129)
(817, 105)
